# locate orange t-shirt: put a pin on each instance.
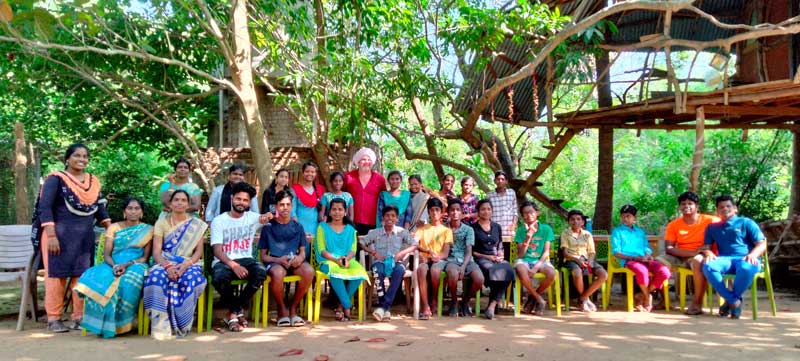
(688, 237)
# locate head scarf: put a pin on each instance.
(361, 153)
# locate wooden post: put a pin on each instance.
(794, 199)
(605, 158)
(20, 175)
(699, 145)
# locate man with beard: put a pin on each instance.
(232, 235)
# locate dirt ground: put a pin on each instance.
(610, 335)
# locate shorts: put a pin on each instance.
(572, 265)
(471, 266)
(438, 264)
(674, 261)
(531, 264)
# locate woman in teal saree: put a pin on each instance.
(112, 289)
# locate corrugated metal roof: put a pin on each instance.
(632, 25)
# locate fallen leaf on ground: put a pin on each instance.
(786, 310)
(376, 339)
(521, 355)
(404, 343)
(292, 352)
(354, 339)
(321, 358)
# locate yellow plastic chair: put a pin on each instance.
(555, 287)
(409, 280)
(440, 297)
(265, 299)
(600, 246)
(766, 276)
(615, 268)
(683, 275)
(318, 290)
(255, 308)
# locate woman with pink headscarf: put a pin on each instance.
(365, 185)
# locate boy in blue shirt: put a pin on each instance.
(740, 244)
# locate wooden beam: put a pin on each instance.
(714, 110)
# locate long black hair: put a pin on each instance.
(346, 219)
(275, 180)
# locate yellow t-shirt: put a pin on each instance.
(433, 237)
(581, 246)
(688, 237)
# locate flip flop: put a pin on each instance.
(297, 321)
(292, 352)
(284, 322)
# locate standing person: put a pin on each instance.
(488, 252)
(63, 228)
(283, 251)
(577, 246)
(629, 245)
(337, 184)
(445, 191)
(419, 200)
(504, 203)
(232, 235)
(469, 200)
(365, 185)
(460, 263)
(435, 240)
(176, 281)
(389, 247)
(113, 288)
(220, 199)
(740, 244)
(683, 241)
(179, 180)
(308, 193)
(335, 249)
(398, 198)
(279, 183)
(533, 241)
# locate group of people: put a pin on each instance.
(458, 237)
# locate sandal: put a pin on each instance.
(297, 321)
(57, 327)
(233, 325)
(284, 322)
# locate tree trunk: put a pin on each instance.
(242, 74)
(605, 159)
(794, 203)
(430, 144)
(319, 141)
(21, 175)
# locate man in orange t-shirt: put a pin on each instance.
(683, 240)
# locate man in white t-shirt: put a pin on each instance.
(232, 235)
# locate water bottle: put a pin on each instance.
(589, 225)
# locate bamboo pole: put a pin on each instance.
(699, 144)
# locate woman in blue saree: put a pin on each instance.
(112, 289)
(175, 282)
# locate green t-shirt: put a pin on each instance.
(543, 235)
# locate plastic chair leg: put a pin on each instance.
(682, 290)
(265, 304)
(754, 296)
(629, 280)
(557, 290)
(256, 314)
(440, 295)
(517, 296)
(209, 308)
(317, 297)
(665, 289)
(361, 301)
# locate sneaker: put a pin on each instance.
(57, 327)
(378, 314)
(387, 316)
(736, 310)
(76, 325)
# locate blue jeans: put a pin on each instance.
(715, 270)
(386, 296)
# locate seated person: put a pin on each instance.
(335, 248)
(488, 252)
(740, 244)
(283, 247)
(533, 247)
(389, 247)
(630, 246)
(232, 235)
(460, 263)
(577, 245)
(683, 240)
(435, 240)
